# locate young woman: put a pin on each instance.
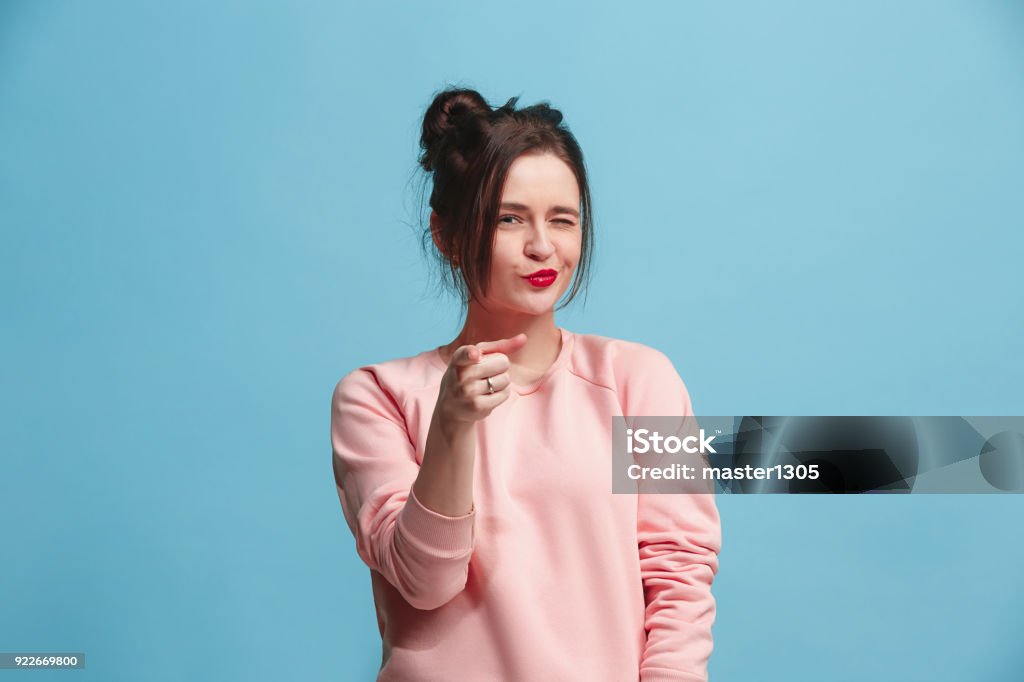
(476, 476)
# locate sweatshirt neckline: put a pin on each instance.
(567, 340)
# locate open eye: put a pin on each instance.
(508, 219)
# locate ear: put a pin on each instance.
(435, 233)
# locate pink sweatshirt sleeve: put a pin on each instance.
(679, 537)
(423, 554)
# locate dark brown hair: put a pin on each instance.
(468, 147)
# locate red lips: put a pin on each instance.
(542, 278)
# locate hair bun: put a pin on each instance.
(444, 115)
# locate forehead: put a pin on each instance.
(541, 179)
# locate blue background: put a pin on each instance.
(208, 216)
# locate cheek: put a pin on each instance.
(572, 251)
(498, 251)
(504, 252)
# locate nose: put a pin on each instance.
(538, 243)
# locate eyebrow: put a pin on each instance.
(554, 209)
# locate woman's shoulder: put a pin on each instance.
(643, 377)
(613, 362)
(391, 377)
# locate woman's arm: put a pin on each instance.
(445, 481)
(412, 523)
(424, 554)
(678, 540)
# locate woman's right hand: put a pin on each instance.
(445, 481)
(464, 396)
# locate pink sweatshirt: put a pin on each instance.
(551, 576)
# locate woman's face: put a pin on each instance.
(538, 237)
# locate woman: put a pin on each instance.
(476, 476)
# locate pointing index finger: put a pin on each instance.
(507, 346)
(467, 355)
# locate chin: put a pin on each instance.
(541, 308)
(535, 307)
(534, 303)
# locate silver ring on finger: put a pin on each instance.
(490, 386)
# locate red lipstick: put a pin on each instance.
(542, 278)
